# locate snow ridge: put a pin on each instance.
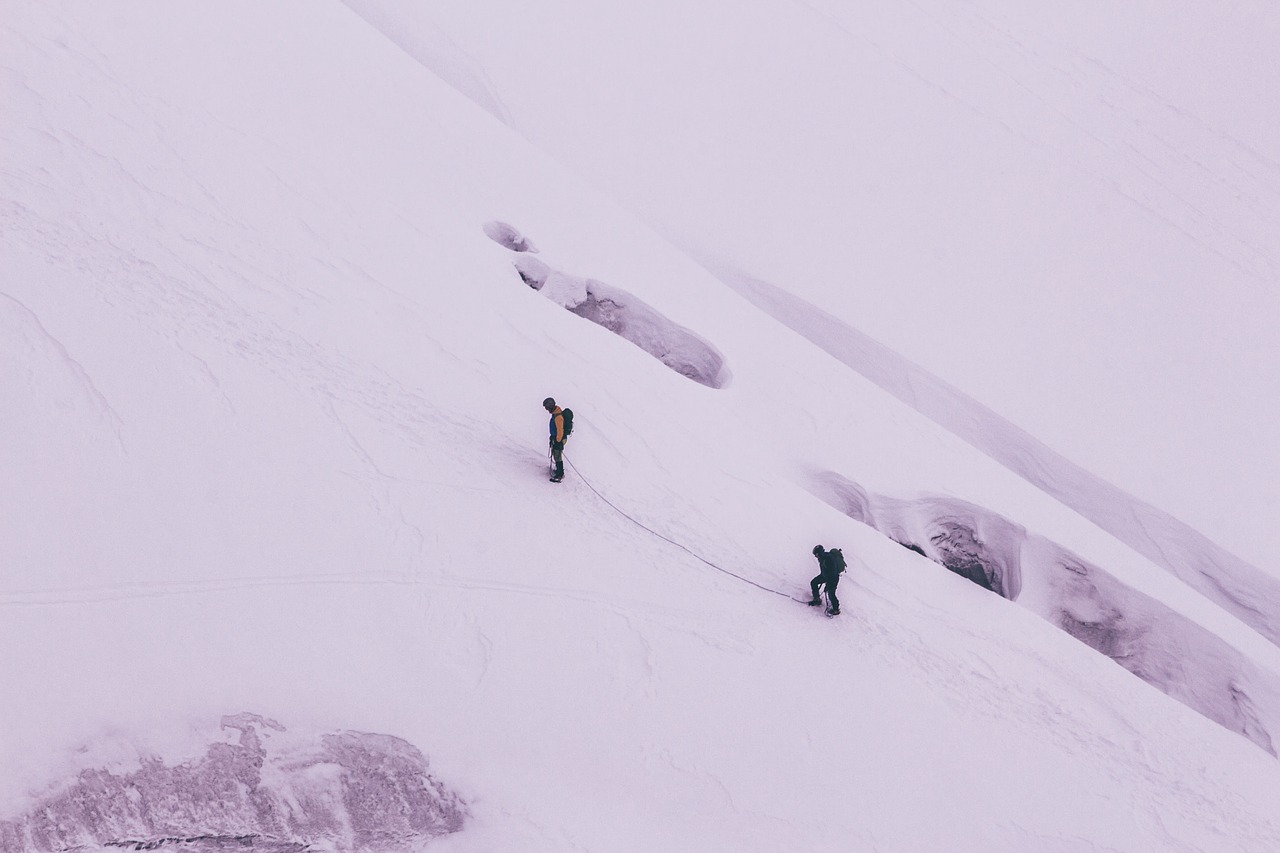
(1239, 587)
(434, 50)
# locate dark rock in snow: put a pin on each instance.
(911, 546)
(346, 792)
(964, 553)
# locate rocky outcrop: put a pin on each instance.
(343, 791)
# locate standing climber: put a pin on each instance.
(830, 564)
(561, 428)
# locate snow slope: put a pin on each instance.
(1244, 590)
(1069, 214)
(278, 449)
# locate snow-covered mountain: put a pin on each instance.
(282, 287)
(1069, 214)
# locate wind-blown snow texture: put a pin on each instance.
(273, 437)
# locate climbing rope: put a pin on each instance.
(644, 526)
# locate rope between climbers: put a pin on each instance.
(644, 526)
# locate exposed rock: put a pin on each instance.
(345, 792)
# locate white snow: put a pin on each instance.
(274, 444)
(1069, 214)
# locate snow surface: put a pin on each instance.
(1244, 590)
(275, 441)
(1071, 214)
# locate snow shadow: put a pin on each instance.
(508, 236)
(349, 792)
(630, 318)
(976, 545)
(1164, 648)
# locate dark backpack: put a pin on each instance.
(568, 421)
(835, 561)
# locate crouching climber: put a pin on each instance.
(830, 565)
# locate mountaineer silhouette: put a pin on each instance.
(561, 427)
(831, 564)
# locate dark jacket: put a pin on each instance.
(830, 567)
